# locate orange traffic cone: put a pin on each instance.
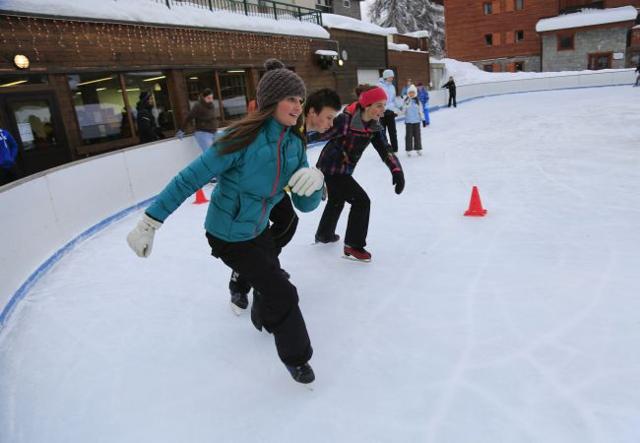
(475, 205)
(200, 198)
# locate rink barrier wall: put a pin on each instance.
(54, 207)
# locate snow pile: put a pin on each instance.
(402, 47)
(465, 73)
(419, 34)
(352, 24)
(149, 11)
(587, 17)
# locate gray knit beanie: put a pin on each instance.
(278, 83)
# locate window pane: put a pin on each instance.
(233, 88)
(99, 107)
(198, 81)
(519, 4)
(487, 8)
(33, 118)
(155, 83)
(6, 81)
(488, 39)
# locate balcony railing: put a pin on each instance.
(255, 8)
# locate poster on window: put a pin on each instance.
(26, 134)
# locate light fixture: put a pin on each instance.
(21, 61)
(154, 78)
(94, 81)
(19, 82)
(340, 62)
(100, 89)
(194, 78)
(237, 71)
(130, 90)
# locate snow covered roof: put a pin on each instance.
(327, 52)
(397, 46)
(587, 17)
(401, 47)
(152, 12)
(352, 24)
(418, 34)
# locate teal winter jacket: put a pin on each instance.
(251, 182)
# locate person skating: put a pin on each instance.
(320, 109)
(203, 114)
(254, 160)
(638, 72)
(423, 95)
(451, 86)
(391, 111)
(353, 130)
(413, 118)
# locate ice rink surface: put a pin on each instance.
(522, 326)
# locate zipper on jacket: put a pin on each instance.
(274, 189)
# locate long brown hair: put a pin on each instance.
(242, 133)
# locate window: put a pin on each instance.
(199, 80)
(154, 82)
(488, 39)
(519, 36)
(7, 81)
(600, 61)
(519, 5)
(487, 8)
(518, 66)
(233, 90)
(99, 106)
(565, 42)
(346, 3)
(324, 5)
(488, 68)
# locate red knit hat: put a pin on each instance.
(367, 98)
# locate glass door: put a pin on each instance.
(34, 123)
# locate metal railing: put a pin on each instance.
(255, 8)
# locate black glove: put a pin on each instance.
(398, 181)
(424, 124)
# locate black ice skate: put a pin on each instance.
(239, 290)
(327, 239)
(302, 374)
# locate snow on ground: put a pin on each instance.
(521, 326)
(151, 11)
(353, 24)
(466, 73)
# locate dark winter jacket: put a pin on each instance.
(348, 138)
(204, 115)
(148, 130)
(451, 86)
(8, 150)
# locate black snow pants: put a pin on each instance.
(278, 309)
(344, 189)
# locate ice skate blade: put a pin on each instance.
(237, 310)
(352, 258)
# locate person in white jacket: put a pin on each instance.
(388, 120)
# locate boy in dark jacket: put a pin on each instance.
(451, 86)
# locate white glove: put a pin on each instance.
(141, 238)
(306, 181)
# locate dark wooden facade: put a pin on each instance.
(410, 65)
(58, 48)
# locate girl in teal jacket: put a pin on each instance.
(255, 160)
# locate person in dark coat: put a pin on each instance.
(9, 170)
(148, 129)
(451, 86)
(203, 114)
(353, 130)
(638, 71)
